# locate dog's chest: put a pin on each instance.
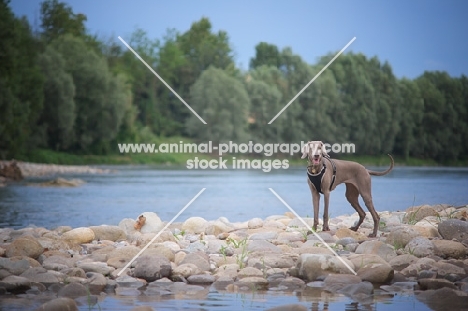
(316, 179)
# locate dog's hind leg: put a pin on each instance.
(370, 206)
(352, 195)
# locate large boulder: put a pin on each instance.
(420, 247)
(80, 235)
(376, 273)
(385, 251)
(59, 304)
(194, 225)
(417, 213)
(112, 233)
(449, 249)
(153, 223)
(454, 229)
(152, 268)
(312, 266)
(27, 246)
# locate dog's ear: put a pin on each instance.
(305, 150)
(324, 152)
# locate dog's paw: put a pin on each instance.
(326, 229)
(353, 228)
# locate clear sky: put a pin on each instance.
(412, 36)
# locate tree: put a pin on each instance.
(58, 115)
(100, 96)
(57, 18)
(20, 83)
(266, 55)
(223, 103)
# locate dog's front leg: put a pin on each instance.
(326, 199)
(316, 204)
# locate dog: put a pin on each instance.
(326, 174)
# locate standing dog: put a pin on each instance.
(324, 174)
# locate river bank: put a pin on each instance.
(421, 252)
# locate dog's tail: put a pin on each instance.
(374, 173)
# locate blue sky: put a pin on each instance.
(412, 36)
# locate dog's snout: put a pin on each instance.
(316, 156)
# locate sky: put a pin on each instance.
(413, 36)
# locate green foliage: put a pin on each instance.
(223, 103)
(57, 19)
(21, 82)
(58, 115)
(64, 89)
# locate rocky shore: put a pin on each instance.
(422, 251)
(17, 170)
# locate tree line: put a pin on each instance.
(64, 89)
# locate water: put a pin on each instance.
(312, 299)
(238, 195)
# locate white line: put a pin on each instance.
(308, 227)
(316, 76)
(154, 72)
(159, 233)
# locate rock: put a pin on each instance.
(401, 236)
(127, 281)
(402, 261)
(422, 264)
(312, 266)
(59, 304)
(228, 270)
(358, 290)
(98, 267)
(291, 284)
(277, 261)
(262, 246)
(444, 299)
(40, 275)
(348, 233)
(111, 233)
(446, 249)
(194, 225)
(290, 236)
(11, 170)
(199, 259)
(127, 225)
(289, 307)
(267, 235)
(426, 284)
(159, 250)
(201, 279)
(379, 248)
(217, 227)
(222, 282)
(417, 213)
(60, 182)
(255, 223)
(335, 282)
(376, 273)
(96, 282)
(57, 263)
(142, 308)
(249, 272)
(152, 268)
(153, 223)
(360, 260)
(15, 284)
(9, 266)
(445, 268)
(420, 247)
(454, 229)
(73, 290)
(79, 235)
(253, 282)
(74, 272)
(27, 246)
(186, 270)
(399, 287)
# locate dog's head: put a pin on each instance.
(314, 150)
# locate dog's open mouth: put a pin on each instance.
(315, 160)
